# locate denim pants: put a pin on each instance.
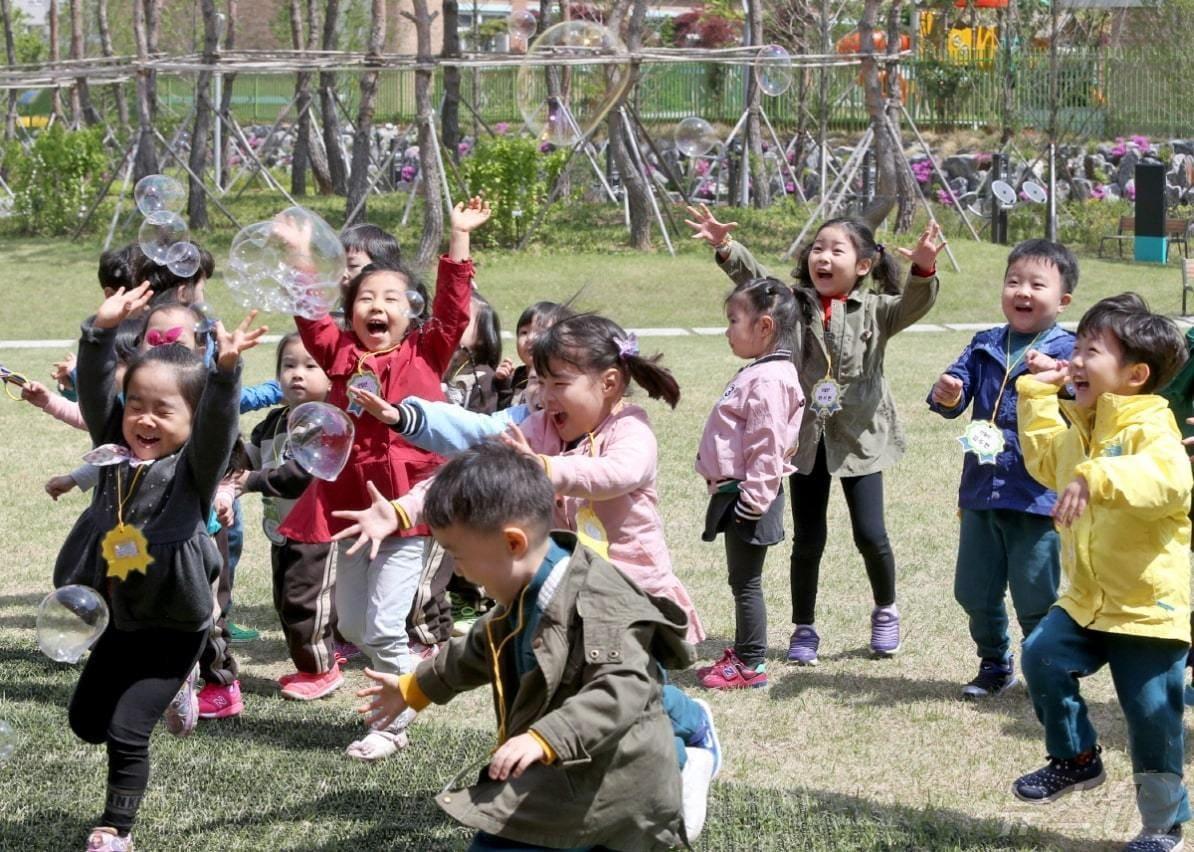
(998, 550)
(374, 597)
(1149, 680)
(689, 724)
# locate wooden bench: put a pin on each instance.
(1176, 231)
(1187, 282)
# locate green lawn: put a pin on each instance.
(855, 754)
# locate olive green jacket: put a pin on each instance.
(595, 697)
(865, 435)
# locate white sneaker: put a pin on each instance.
(694, 782)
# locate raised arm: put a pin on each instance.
(1041, 428)
(97, 360)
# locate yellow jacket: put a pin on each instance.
(1126, 559)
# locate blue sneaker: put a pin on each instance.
(709, 741)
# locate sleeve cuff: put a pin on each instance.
(546, 464)
(549, 753)
(745, 512)
(918, 272)
(412, 693)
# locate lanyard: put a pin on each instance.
(121, 498)
(1009, 365)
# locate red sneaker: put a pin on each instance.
(732, 673)
(220, 702)
(728, 657)
(307, 687)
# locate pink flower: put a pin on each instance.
(408, 173)
(790, 187)
(943, 198)
(463, 148)
(501, 128)
(702, 167)
(1098, 192)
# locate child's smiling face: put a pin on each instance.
(1033, 295)
(381, 311)
(1098, 367)
(577, 401)
(157, 418)
(301, 378)
(833, 262)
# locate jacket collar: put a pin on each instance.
(994, 340)
(1113, 413)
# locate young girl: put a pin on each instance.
(303, 574)
(851, 430)
(469, 381)
(143, 541)
(518, 385)
(384, 349)
(743, 457)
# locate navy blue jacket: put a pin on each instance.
(981, 367)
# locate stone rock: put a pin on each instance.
(960, 165)
(1127, 167)
(1081, 189)
(1182, 147)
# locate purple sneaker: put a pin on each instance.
(802, 648)
(885, 631)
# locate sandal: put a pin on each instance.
(377, 745)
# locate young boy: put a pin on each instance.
(1123, 484)
(1007, 538)
(586, 749)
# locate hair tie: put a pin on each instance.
(880, 248)
(154, 337)
(627, 346)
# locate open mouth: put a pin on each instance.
(377, 326)
(1081, 385)
(147, 441)
(558, 418)
(1023, 309)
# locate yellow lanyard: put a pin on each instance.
(1009, 365)
(361, 361)
(121, 498)
(496, 652)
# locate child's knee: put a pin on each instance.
(86, 727)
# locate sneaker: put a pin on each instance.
(1157, 841)
(107, 840)
(995, 677)
(727, 656)
(219, 702)
(239, 635)
(732, 673)
(885, 631)
(695, 778)
(1049, 783)
(344, 652)
(307, 687)
(802, 647)
(709, 740)
(183, 712)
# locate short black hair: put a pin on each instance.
(164, 282)
(489, 486)
(286, 340)
(487, 349)
(1146, 338)
(188, 367)
(1050, 252)
(378, 244)
(116, 267)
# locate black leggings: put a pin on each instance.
(810, 502)
(126, 685)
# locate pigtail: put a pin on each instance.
(657, 381)
(886, 272)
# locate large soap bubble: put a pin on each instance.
(69, 621)
(183, 259)
(157, 193)
(319, 439)
(695, 136)
(773, 70)
(8, 741)
(563, 102)
(291, 264)
(159, 232)
(521, 23)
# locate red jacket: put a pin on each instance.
(379, 454)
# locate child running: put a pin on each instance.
(743, 456)
(143, 541)
(1115, 458)
(852, 431)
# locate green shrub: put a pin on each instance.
(54, 179)
(516, 178)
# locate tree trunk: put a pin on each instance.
(634, 182)
(327, 106)
(302, 103)
(201, 131)
(10, 52)
(885, 194)
(433, 207)
(906, 189)
(450, 120)
(55, 56)
(760, 184)
(84, 111)
(362, 139)
(153, 27)
(105, 33)
(226, 84)
(146, 160)
(315, 156)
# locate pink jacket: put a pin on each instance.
(605, 491)
(61, 408)
(751, 432)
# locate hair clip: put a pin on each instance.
(154, 337)
(627, 346)
(880, 248)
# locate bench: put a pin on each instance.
(1176, 231)
(1187, 282)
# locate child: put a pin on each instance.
(1123, 485)
(386, 350)
(469, 381)
(517, 385)
(165, 284)
(143, 541)
(303, 574)
(366, 244)
(573, 653)
(743, 457)
(852, 431)
(1007, 539)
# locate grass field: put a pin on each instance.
(855, 754)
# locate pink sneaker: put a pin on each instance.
(220, 702)
(307, 687)
(183, 713)
(107, 840)
(732, 673)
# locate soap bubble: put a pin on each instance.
(291, 264)
(157, 193)
(415, 299)
(319, 439)
(8, 741)
(521, 23)
(159, 232)
(183, 259)
(563, 103)
(773, 70)
(69, 621)
(695, 136)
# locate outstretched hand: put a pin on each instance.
(706, 227)
(373, 524)
(121, 305)
(924, 254)
(470, 215)
(241, 339)
(376, 405)
(387, 702)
